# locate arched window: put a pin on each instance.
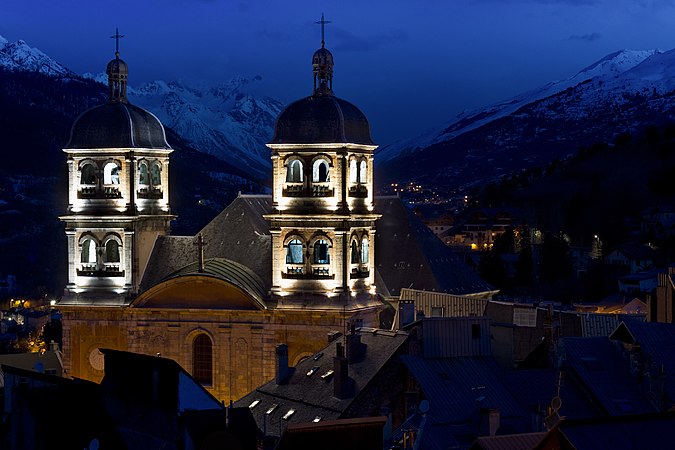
(294, 172)
(112, 251)
(202, 359)
(294, 254)
(143, 174)
(320, 171)
(321, 255)
(88, 174)
(88, 255)
(363, 173)
(355, 253)
(155, 175)
(364, 250)
(353, 176)
(111, 174)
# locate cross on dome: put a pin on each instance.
(117, 36)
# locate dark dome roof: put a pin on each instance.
(322, 56)
(117, 125)
(117, 66)
(322, 119)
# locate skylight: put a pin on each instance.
(312, 371)
(288, 414)
(327, 375)
(272, 408)
(317, 419)
(253, 404)
(318, 356)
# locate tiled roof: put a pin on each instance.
(241, 234)
(409, 255)
(602, 368)
(657, 341)
(648, 431)
(523, 441)
(312, 396)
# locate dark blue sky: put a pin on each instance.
(409, 64)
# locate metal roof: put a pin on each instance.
(321, 119)
(117, 125)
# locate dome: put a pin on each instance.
(322, 119)
(117, 66)
(117, 125)
(322, 57)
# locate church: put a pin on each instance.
(319, 253)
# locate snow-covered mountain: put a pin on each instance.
(225, 120)
(20, 56)
(608, 67)
(623, 92)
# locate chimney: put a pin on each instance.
(489, 421)
(341, 381)
(355, 348)
(282, 363)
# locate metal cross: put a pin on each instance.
(322, 22)
(117, 36)
(201, 243)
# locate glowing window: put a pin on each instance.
(88, 175)
(88, 252)
(321, 255)
(155, 175)
(294, 253)
(320, 171)
(353, 176)
(364, 250)
(202, 362)
(112, 251)
(363, 173)
(294, 172)
(111, 174)
(143, 174)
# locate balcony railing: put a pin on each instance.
(298, 273)
(294, 190)
(359, 272)
(112, 192)
(108, 270)
(322, 190)
(358, 191)
(150, 193)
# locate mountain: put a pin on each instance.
(225, 120)
(20, 56)
(623, 92)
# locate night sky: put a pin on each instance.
(408, 65)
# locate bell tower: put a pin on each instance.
(118, 195)
(322, 224)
